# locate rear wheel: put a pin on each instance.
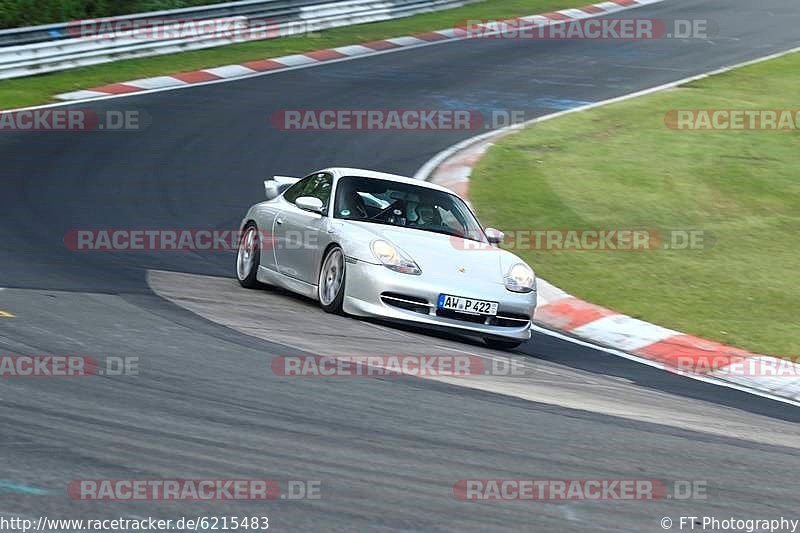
(498, 344)
(248, 257)
(330, 288)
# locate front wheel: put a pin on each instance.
(330, 288)
(498, 344)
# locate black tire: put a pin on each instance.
(332, 303)
(247, 276)
(498, 344)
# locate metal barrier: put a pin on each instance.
(48, 48)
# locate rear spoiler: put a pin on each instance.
(275, 185)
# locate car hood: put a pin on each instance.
(445, 255)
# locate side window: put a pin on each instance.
(296, 191)
(316, 185)
(319, 186)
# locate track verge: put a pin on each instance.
(558, 311)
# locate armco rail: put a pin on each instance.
(41, 49)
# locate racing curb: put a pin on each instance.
(277, 64)
(671, 350)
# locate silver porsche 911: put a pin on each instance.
(371, 244)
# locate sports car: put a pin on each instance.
(371, 244)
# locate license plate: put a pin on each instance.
(467, 305)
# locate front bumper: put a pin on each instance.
(375, 291)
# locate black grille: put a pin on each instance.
(466, 317)
(404, 301)
(511, 320)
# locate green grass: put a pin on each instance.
(619, 166)
(41, 89)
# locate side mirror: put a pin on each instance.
(309, 203)
(494, 236)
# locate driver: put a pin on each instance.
(428, 215)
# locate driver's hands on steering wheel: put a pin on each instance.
(428, 216)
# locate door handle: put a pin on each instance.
(279, 220)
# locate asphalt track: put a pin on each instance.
(387, 451)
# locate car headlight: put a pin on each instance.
(520, 278)
(393, 258)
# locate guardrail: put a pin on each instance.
(53, 47)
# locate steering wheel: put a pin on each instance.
(393, 205)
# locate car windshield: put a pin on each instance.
(402, 204)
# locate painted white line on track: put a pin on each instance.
(655, 364)
(425, 170)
